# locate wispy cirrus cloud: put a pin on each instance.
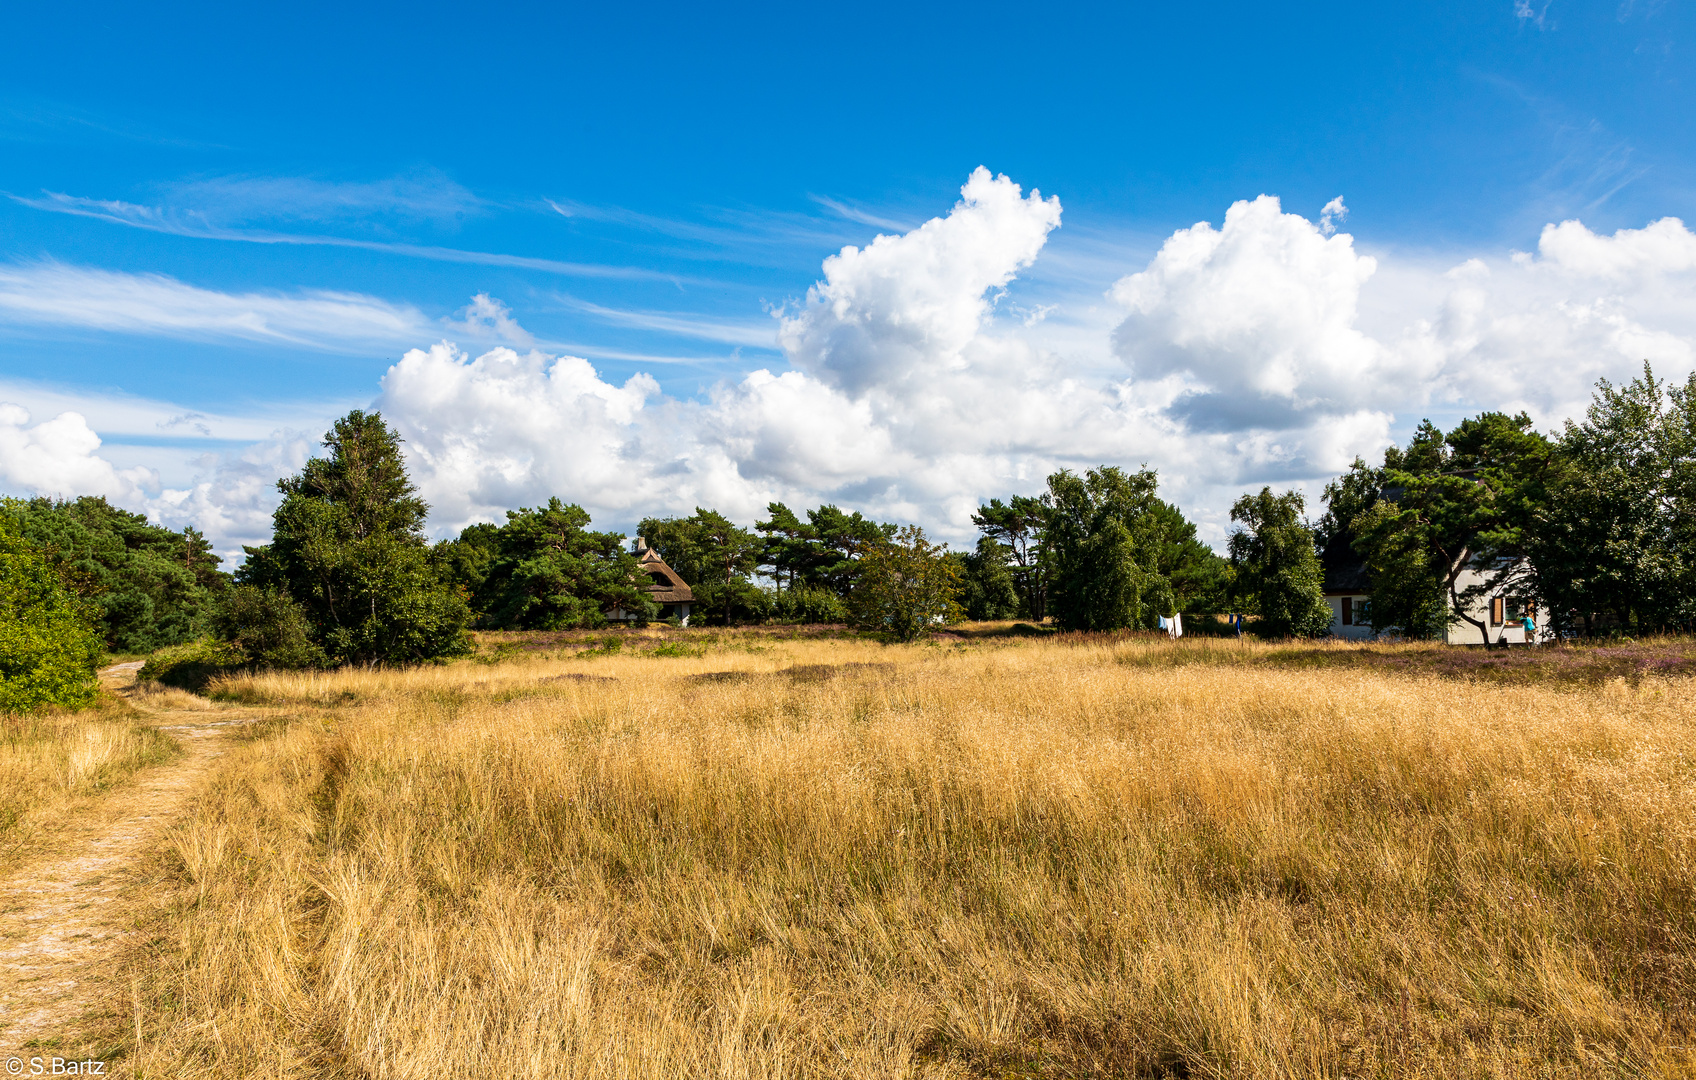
(424, 196)
(138, 420)
(200, 224)
(760, 334)
(862, 216)
(56, 294)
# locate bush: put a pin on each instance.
(192, 665)
(808, 605)
(268, 627)
(48, 646)
(733, 604)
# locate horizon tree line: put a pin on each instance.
(1595, 525)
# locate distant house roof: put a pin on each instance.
(664, 586)
(1345, 573)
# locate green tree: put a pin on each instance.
(270, 629)
(1347, 499)
(905, 586)
(1680, 500)
(1468, 500)
(822, 552)
(1407, 595)
(1278, 571)
(550, 573)
(147, 586)
(348, 547)
(1019, 527)
(49, 648)
(987, 589)
(466, 560)
(1616, 537)
(1197, 578)
(786, 545)
(1095, 579)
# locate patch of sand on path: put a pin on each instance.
(58, 930)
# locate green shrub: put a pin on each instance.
(48, 646)
(271, 629)
(191, 666)
(808, 605)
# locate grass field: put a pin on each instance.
(48, 761)
(1002, 857)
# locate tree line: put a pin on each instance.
(1595, 526)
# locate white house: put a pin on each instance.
(1501, 610)
(1348, 589)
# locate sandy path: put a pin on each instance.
(57, 911)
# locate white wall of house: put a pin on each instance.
(1501, 613)
(1349, 620)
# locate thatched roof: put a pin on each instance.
(664, 587)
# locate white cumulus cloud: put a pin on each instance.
(57, 457)
(908, 306)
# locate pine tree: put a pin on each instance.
(348, 548)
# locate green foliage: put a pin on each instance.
(1096, 581)
(348, 548)
(48, 646)
(1470, 499)
(1619, 534)
(1099, 552)
(1199, 581)
(146, 586)
(1408, 594)
(904, 587)
(268, 628)
(823, 552)
(679, 649)
(1278, 571)
(193, 664)
(1347, 498)
(807, 604)
(987, 588)
(466, 560)
(548, 572)
(732, 603)
(1018, 527)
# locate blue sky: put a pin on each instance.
(226, 224)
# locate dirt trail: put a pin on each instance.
(57, 912)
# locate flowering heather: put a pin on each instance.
(1574, 664)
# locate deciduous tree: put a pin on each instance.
(905, 586)
(48, 645)
(1278, 571)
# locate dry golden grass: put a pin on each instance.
(1014, 859)
(50, 760)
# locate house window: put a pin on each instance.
(1348, 611)
(1498, 610)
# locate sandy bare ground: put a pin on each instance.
(58, 913)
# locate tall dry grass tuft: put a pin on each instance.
(1030, 859)
(50, 759)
